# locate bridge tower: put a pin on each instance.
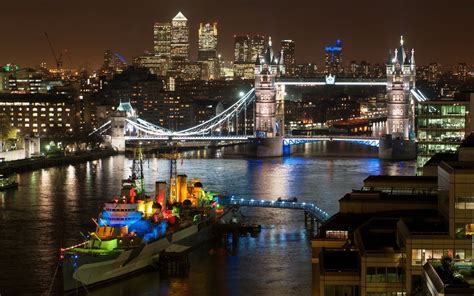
(118, 125)
(398, 142)
(269, 115)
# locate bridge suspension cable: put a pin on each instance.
(101, 129)
(200, 129)
(217, 120)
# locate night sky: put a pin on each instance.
(439, 31)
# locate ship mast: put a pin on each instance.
(137, 170)
(173, 157)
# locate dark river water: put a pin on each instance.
(52, 206)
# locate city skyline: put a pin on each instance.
(128, 29)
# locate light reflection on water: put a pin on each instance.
(52, 206)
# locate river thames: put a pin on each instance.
(52, 206)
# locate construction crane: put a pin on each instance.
(57, 59)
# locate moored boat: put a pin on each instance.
(8, 182)
(133, 229)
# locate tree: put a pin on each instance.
(5, 128)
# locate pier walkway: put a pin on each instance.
(310, 209)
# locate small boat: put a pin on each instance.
(8, 182)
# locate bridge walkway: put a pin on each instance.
(309, 208)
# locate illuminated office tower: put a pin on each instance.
(242, 49)
(207, 52)
(288, 52)
(179, 39)
(207, 41)
(333, 59)
(162, 39)
(257, 47)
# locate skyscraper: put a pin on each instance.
(207, 41)
(162, 39)
(288, 51)
(242, 49)
(257, 47)
(333, 59)
(113, 63)
(179, 39)
(207, 53)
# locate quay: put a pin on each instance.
(31, 164)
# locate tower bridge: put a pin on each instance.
(268, 136)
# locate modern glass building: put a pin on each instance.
(162, 39)
(242, 49)
(441, 126)
(207, 52)
(333, 58)
(288, 50)
(207, 41)
(257, 47)
(179, 39)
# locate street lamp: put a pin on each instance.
(241, 94)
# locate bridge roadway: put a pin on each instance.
(330, 80)
(370, 141)
(310, 208)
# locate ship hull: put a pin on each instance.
(93, 270)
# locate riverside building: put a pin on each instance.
(390, 237)
(442, 124)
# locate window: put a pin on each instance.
(337, 234)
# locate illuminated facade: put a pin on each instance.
(246, 51)
(401, 76)
(333, 59)
(257, 47)
(266, 70)
(207, 54)
(441, 126)
(179, 50)
(288, 52)
(155, 64)
(176, 112)
(160, 63)
(242, 49)
(162, 40)
(39, 114)
(113, 63)
(389, 238)
(207, 41)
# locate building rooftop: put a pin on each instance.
(442, 101)
(442, 156)
(338, 261)
(379, 235)
(180, 17)
(401, 181)
(427, 222)
(366, 195)
(453, 166)
(343, 221)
